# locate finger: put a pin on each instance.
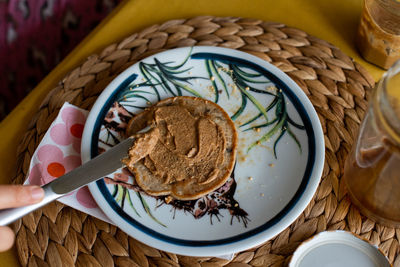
(6, 238)
(12, 196)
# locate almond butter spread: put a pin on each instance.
(189, 152)
(143, 144)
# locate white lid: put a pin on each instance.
(337, 248)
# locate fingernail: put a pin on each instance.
(37, 193)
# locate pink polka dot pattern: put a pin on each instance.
(85, 198)
(70, 130)
(59, 153)
(51, 155)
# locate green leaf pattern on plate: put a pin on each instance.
(171, 79)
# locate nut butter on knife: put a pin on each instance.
(91, 171)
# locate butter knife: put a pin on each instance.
(91, 171)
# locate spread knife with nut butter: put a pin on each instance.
(91, 171)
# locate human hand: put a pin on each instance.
(12, 196)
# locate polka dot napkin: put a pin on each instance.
(58, 153)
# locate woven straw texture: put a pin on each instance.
(337, 86)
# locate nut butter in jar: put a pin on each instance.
(372, 169)
(378, 36)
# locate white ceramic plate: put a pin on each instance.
(278, 166)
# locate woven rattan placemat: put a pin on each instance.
(336, 85)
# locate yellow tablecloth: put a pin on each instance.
(334, 21)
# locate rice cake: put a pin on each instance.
(192, 151)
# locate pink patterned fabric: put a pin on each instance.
(52, 164)
(70, 130)
(59, 153)
(35, 35)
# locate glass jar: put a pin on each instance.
(372, 169)
(378, 35)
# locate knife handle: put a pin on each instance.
(10, 215)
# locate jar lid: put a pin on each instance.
(337, 248)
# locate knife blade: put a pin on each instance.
(91, 171)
